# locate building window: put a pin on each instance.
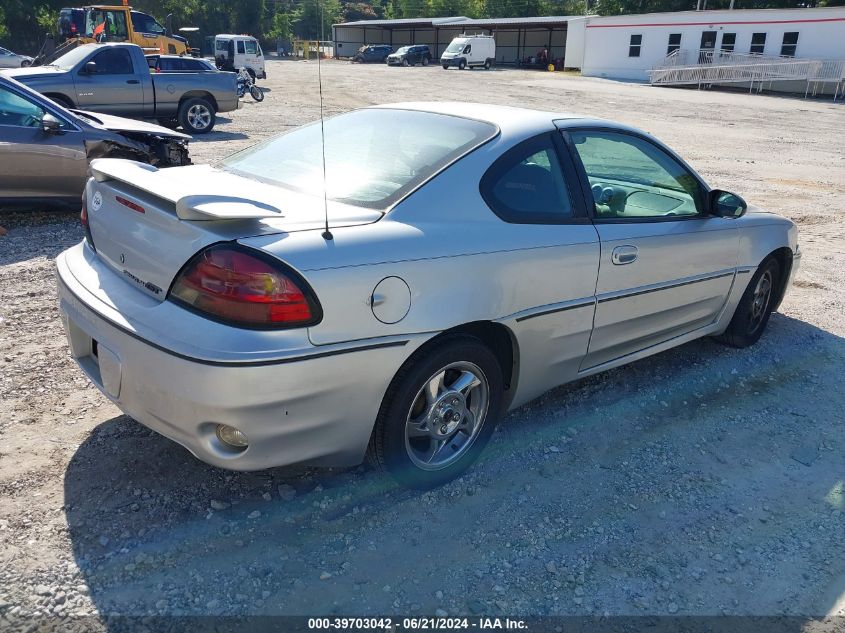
(790, 42)
(728, 42)
(758, 43)
(635, 46)
(674, 43)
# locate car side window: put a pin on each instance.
(17, 111)
(240, 47)
(633, 179)
(113, 61)
(467, 49)
(527, 185)
(251, 48)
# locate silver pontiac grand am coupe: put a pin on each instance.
(475, 257)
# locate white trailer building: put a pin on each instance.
(628, 46)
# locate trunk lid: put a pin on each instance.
(147, 223)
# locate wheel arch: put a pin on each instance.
(199, 94)
(498, 338)
(62, 99)
(783, 255)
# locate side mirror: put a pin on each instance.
(50, 124)
(724, 204)
(90, 68)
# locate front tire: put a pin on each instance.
(462, 65)
(754, 309)
(197, 116)
(256, 93)
(438, 413)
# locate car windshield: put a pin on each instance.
(372, 157)
(72, 58)
(455, 47)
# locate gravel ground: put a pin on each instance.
(702, 481)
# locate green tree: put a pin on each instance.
(314, 18)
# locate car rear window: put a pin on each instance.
(373, 156)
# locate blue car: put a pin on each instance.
(376, 53)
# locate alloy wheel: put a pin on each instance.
(760, 301)
(199, 117)
(446, 415)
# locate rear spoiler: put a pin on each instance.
(201, 207)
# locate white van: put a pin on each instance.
(470, 50)
(232, 52)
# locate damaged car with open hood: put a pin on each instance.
(45, 148)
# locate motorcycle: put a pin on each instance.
(246, 82)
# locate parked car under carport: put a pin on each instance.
(45, 148)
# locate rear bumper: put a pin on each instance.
(229, 103)
(316, 408)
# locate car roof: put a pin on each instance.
(509, 119)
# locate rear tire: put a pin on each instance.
(754, 309)
(197, 116)
(438, 413)
(425, 61)
(487, 65)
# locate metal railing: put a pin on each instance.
(714, 67)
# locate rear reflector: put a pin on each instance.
(128, 203)
(246, 288)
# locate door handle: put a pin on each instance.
(133, 81)
(624, 255)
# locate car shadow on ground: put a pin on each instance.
(219, 135)
(154, 531)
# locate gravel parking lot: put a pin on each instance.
(702, 481)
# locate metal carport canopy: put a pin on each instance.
(514, 36)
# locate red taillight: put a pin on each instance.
(243, 287)
(83, 220)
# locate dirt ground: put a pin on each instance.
(702, 481)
